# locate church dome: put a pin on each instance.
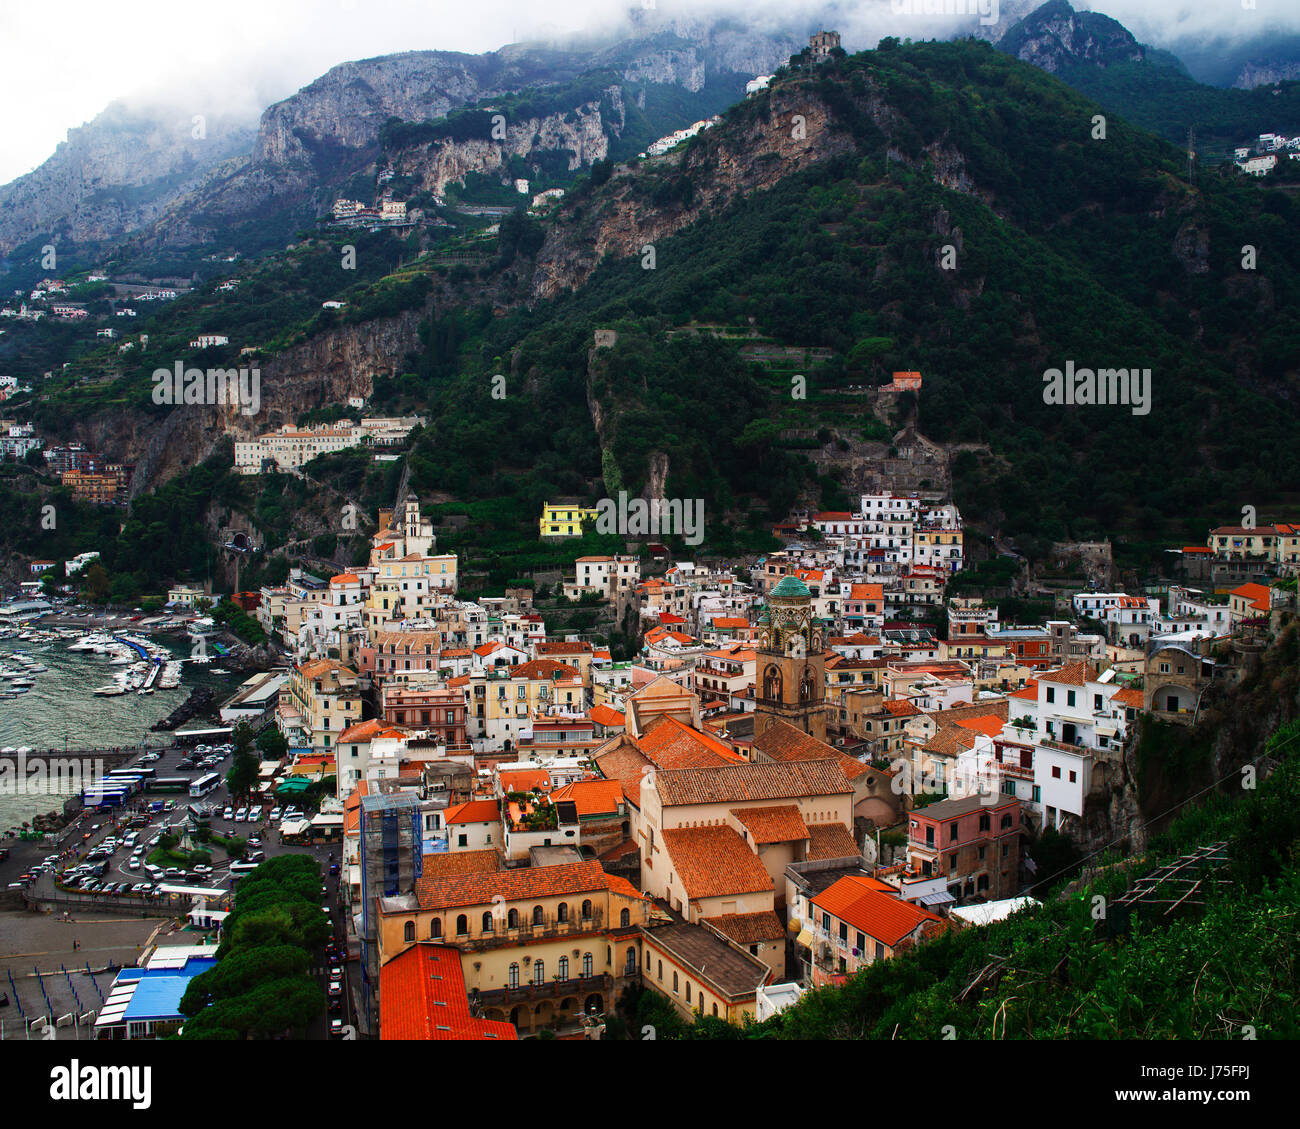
(790, 586)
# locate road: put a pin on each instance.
(93, 827)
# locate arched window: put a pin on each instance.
(586, 910)
(806, 686)
(688, 991)
(462, 926)
(661, 970)
(586, 964)
(715, 1010)
(630, 964)
(539, 972)
(625, 917)
(435, 928)
(772, 683)
(674, 981)
(408, 931)
(487, 922)
(564, 968)
(562, 913)
(514, 976)
(512, 919)
(538, 915)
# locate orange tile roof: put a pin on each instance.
(988, 725)
(748, 928)
(626, 765)
(900, 707)
(670, 743)
(866, 591)
(713, 861)
(1029, 692)
(1129, 698)
(524, 780)
(780, 823)
(746, 781)
(363, 730)
(462, 862)
(323, 666)
(607, 716)
(1072, 674)
(473, 811)
(452, 890)
(545, 668)
(831, 841)
(864, 907)
(729, 622)
(784, 742)
(592, 797)
(1257, 594)
(422, 996)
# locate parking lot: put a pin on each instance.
(106, 834)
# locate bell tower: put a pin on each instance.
(791, 668)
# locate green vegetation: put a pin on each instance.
(261, 986)
(1055, 973)
(231, 615)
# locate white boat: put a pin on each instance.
(110, 691)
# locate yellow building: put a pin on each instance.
(564, 519)
(320, 700)
(504, 701)
(409, 587)
(539, 945)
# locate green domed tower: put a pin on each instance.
(791, 662)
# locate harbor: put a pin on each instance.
(66, 688)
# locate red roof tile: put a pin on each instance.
(422, 996)
(857, 901)
(713, 861)
(780, 823)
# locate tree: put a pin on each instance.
(95, 585)
(273, 744)
(243, 766)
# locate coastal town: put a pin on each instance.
(815, 760)
(669, 524)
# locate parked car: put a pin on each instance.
(202, 868)
(241, 816)
(275, 814)
(133, 863)
(254, 840)
(336, 988)
(229, 813)
(336, 1028)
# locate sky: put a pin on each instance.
(239, 56)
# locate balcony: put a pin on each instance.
(504, 936)
(551, 989)
(1077, 750)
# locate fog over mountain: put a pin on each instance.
(153, 55)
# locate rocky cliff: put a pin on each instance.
(1055, 36)
(116, 174)
(583, 133)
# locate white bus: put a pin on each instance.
(204, 784)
